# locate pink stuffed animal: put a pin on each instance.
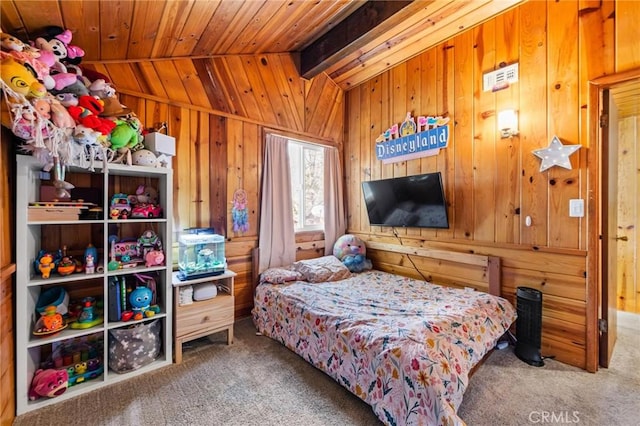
(48, 383)
(154, 258)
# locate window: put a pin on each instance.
(306, 162)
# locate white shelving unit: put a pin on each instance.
(33, 351)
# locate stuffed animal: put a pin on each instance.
(352, 251)
(58, 41)
(124, 135)
(146, 195)
(20, 80)
(101, 89)
(86, 113)
(60, 116)
(48, 383)
(42, 107)
(27, 124)
(28, 56)
(67, 99)
(11, 43)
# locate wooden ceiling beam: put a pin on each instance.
(347, 36)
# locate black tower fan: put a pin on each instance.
(529, 325)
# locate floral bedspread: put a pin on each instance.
(404, 346)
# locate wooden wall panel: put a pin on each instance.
(485, 170)
(493, 184)
(463, 195)
(627, 29)
(262, 88)
(532, 86)
(508, 174)
(563, 119)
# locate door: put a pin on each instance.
(608, 137)
(620, 106)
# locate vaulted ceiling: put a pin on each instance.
(352, 52)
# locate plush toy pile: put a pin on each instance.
(64, 113)
(352, 251)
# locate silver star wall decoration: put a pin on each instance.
(556, 154)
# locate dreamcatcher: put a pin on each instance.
(239, 211)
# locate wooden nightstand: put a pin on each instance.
(205, 317)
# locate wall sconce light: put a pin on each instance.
(508, 123)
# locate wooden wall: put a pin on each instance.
(492, 184)
(218, 110)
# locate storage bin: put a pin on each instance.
(134, 347)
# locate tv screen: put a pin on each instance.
(411, 201)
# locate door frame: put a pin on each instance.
(595, 231)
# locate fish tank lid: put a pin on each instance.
(200, 239)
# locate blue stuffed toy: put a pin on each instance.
(352, 251)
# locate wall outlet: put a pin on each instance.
(576, 208)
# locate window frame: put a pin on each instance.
(321, 150)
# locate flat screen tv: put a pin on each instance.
(411, 201)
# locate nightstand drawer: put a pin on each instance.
(204, 315)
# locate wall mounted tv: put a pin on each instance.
(411, 201)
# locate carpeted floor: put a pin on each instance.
(256, 381)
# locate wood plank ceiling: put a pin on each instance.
(111, 30)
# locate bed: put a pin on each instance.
(404, 346)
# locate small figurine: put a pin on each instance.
(87, 310)
(89, 266)
(46, 265)
(66, 266)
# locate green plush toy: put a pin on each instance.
(124, 135)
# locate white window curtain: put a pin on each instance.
(335, 222)
(277, 236)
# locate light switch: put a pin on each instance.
(576, 208)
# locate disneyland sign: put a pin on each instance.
(411, 140)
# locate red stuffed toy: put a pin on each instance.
(86, 113)
(49, 383)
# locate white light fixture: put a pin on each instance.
(508, 123)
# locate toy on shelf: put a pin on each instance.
(49, 383)
(90, 259)
(89, 317)
(140, 300)
(80, 358)
(89, 265)
(154, 258)
(66, 266)
(46, 265)
(53, 296)
(147, 242)
(120, 207)
(50, 322)
(132, 297)
(147, 211)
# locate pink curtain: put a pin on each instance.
(277, 236)
(335, 222)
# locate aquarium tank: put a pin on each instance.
(201, 254)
